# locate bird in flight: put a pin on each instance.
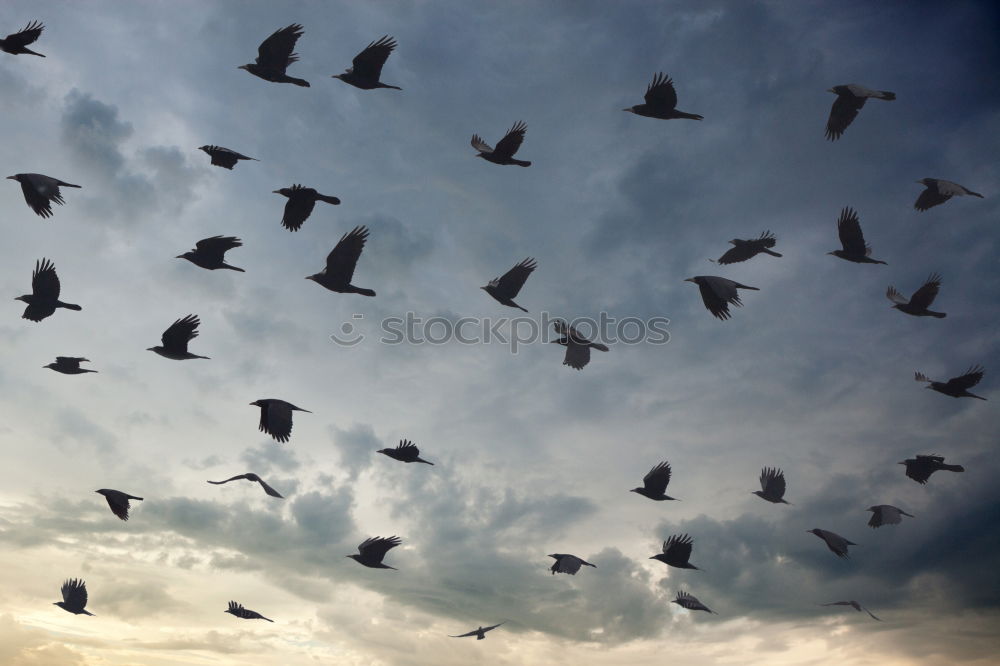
(17, 42)
(210, 253)
(69, 365)
(299, 206)
(568, 564)
(224, 157)
(341, 262)
(836, 543)
(74, 594)
(850, 98)
(718, 293)
(118, 501)
(238, 610)
(921, 467)
(956, 387)
(44, 297)
(661, 101)
(40, 191)
(367, 65)
(938, 191)
(654, 484)
(479, 633)
(885, 514)
(677, 552)
(250, 476)
(690, 602)
(852, 239)
(276, 417)
(920, 300)
(506, 147)
(748, 249)
(406, 452)
(176, 338)
(853, 604)
(274, 55)
(505, 288)
(372, 550)
(577, 347)
(772, 486)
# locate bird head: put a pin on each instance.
(922, 181)
(205, 148)
(256, 403)
(284, 191)
(735, 241)
(314, 278)
(813, 531)
(102, 491)
(247, 68)
(50, 365)
(152, 349)
(16, 177)
(871, 508)
(758, 493)
(695, 280)
(339, 76)
(186, 255)
(21, 298)
(384, 451)
(834, 253)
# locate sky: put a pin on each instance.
(814, 374)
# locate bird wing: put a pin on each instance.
(717, 296)
(923, 297)
(491, 628)
(678, 546)
(118, 504)
(276, 420)
(570, 564)
(275, 52)
(772, 482)
(661, 93)
(738, 253)
(508, 145)
(843, 112)
(297, 209)
(929, 198)
(216, 247)
(180, 333)
(376, 547)
(577, 356)
(343, 258)
(895, 296)
(875, 521)
(873, 615)
(235, 478)
(971, 377)
(849, 229)
(766, 239)
(21, 39)
(510, 283)
(368, 63)
(74, 593)
(44, 281)
(474, 632)
(657, 479)
(480, 145)
(268, 489)
(70, 360)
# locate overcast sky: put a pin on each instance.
(813, 375)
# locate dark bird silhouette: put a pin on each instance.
(250, 476)
(74, 594)
(224, 157)
(276, 417)
(568, 564)
(921, 467)
(406, 452)
(274, 55)
(920, 300)
(210, 253)
(506, 147)
(17, 42)
(853, 604)
(661, 101)
(772, 486)
(372, 550)
(938, 191)
(885, 514)
(748, 249)
(341, 262)
(176, 338)
(368, 65)
(40, 191)
(505, 288)
(44, 297)
(69, 365)
(654, 484)
(690, 602)
(836, 543)
(850, 99)
(479, 633)
(718, 293)
(577, 347)
(677, 552)
(118, 501)
(299, 206)
(852, 239)
(238, 610)
(956, 387)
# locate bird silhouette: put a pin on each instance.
(921, 467)
(677, 552)
(210, 253)
(299, 206)
(118, 501)
(367, 65)
(718, 293)
(920, 300)
(568, 564)
(276, 417)
(748, 249)
(505, 288)
(406, 452)
(176, 338)
(885, 514)
(479, 633)
(274, 55)
(956, 387)
(69, 365)
(937, 191)
(44, 297)
(41, 191)
(506, 147)
(853, 604)
(850, 98)
(654, 484)
(238, 610)
(577, 347)
(74, 594)
(250, 476)
(772, 486)
(661, 101)
(690, 602)
(341, 262)
(372, 550)
(836, 543)
(224, 157)
(16, 43)
(852, 239)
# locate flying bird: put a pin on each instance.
(568, 564)
(299, 206)
(118, 501)
(372, 550)
(44, 297)
(274, 55)
(250, 476)
(748, 249)
(677, 552)
(69, 365)
(850, 99)
(505, 288)
(938, 191)
(74, 594)
(836, 543)
(224, 157)
(852, 239)
(718, 293)
(506, 147)
(341, 262)
(921, 467)
(40, 191)
(210, 253)
(654, 484)
(406, 452)
(661, 101)
(17, 42)
(853, 604)
(577, 347)
(920, 300)
(690, 602)
(367, 65)
(238, 610)
(176, 338)
(276, 417)
(886, 514)
(479, 633)
(956, 387)
(772, 486)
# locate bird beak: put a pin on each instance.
(11, 178)
(689, 280)
(629, 110)
(831, 90)
(918, 182)
(179, 256)
(275, 191)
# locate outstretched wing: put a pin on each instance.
(843, 112)
(215, 248)
(275, 52)
(235, 478)
(929, 198)
(577, 356)
(509, 144)
(923, 297)
(678, 546)
(180, 333)
(268, 489)
(895, 296)
(849, 229)
(44, 281)
(474, 632)
(342, 260)
(376, 547)
(74, 593)
(21, 39)
(491, 628)
(772, 482)
(118, 504)
(657, 479)
(715, 303)
(480, 145)
(276, 420)
(661, 93)
(509, 285)
(971, 377)
(368, 63)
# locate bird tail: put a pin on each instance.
(527, 164)
(939, 315)
(233, 268)
(68, 306)
(330, 200)
(770, 252)
(62, 184)
(31, 52)
(599, 346)
(299, 82)
(886, 95)
(424, 461)
(690, 116)
(975, 194)
(133, 497)
(743, 286)
(386, 85)
(360, 290)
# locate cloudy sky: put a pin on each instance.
(814, 374)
